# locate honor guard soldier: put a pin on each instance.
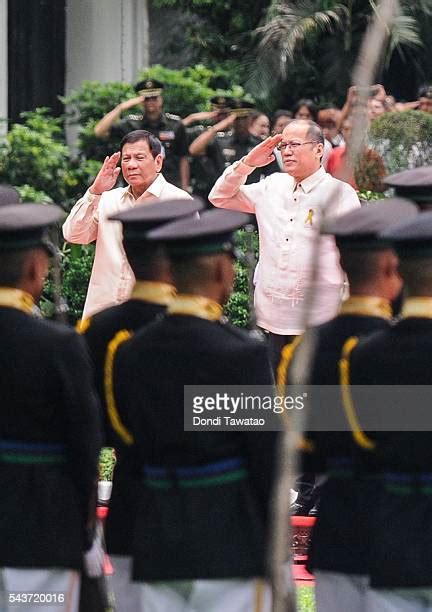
(168, 128)
(152, 293)
(340, 545)
(400, 538)
(204, 169)
(229, 140)
(50, 428)
(415, 184)
(201, 529)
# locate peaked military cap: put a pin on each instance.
(242, 108)
(9, 195)
(415, 184)
(138, 221)
(362, 228)
(149, 88)
(220, 102)
(211, 233)
(412, 238)
(25, 226)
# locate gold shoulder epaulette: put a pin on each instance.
(82, 325)
(113, 413)
(347, 402)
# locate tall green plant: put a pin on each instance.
(404, 140)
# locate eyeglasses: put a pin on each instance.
(293, 145)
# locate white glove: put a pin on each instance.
(94, 558)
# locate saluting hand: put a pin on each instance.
(107, 175)
(262, 154)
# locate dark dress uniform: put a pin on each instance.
(400, 548)
(205, 495)
(170, 131)
(340, 540)
(204, 171)
(148, 301)
(343, 501)
(49, 421)
(401, 535)
(229, 147)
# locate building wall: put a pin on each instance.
(106, 40)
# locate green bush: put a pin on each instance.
(238, 307)
(34, 153)
(30, 194)
(75, 265)
(403, 139)
(107, 463)
(188, 90)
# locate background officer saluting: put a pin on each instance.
(204, 170)
(166, 127)
(152, 293)
(229, 140)
(182, 561)
(49, 424)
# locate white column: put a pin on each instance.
(106, 40)
(3, 66)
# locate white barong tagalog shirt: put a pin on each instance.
(112, 279)
(289, 217)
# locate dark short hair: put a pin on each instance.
(310, 105)
(154, 143)
(425, 91)
(12, 267)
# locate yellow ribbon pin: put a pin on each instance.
(309, 217)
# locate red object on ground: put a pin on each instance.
(102, 512)
(301, 531)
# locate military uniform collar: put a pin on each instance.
(154, 292)
(369, 306)
(16, 298)
(195, 306)
(417, 307)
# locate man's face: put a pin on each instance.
(153, 105)
(138, 166)
(300, 161)
(425, 104)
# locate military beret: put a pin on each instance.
(9, 195)
(24, 226)
(149, 88)
(361, 228)
(415, 184)
(413, 238)
(211, 233)
(138, 221)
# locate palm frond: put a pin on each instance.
(289, 25)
